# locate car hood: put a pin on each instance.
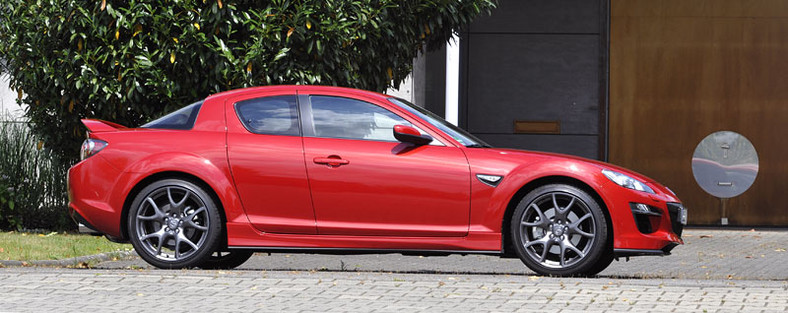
(515, 155)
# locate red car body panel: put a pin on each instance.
(271, 163)
(521, 167)
(365, 197)
(280, 191)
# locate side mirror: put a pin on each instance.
(410, 135)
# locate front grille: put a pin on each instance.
(673, 211)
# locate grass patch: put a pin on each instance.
(22, 246)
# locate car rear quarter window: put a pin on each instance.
(183, 118)
(336, 117)
(277, 115)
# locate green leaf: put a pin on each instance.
(143, 61)
(282, 53)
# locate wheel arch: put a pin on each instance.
(170, 175)
(508, 250)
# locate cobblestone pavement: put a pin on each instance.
(716, 271)
(706, 254)
(74, 290)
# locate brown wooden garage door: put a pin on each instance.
(681, 70)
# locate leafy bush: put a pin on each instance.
(33, 186)
(8, 212)
(130, 60)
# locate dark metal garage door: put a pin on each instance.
(534, 74)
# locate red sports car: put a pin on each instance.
(344, 171)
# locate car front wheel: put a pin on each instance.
(173, 224)
(560, 230)
(225, 260)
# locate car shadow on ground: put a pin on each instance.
(707, 254)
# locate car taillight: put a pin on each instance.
(91, 147)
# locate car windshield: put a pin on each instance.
(455, 132)
(181, 119)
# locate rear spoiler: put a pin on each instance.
(98, 126)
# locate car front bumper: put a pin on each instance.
(644, 223)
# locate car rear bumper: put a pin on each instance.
(90, 184)
(84, 227)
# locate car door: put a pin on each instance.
(265, 152)
(364, 182)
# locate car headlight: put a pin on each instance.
(627, 182)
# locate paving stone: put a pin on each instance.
(716, 271)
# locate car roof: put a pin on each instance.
(303, 89)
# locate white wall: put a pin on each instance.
(405, 90)
(453, 80)
(9, 110)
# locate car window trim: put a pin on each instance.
(305, 115)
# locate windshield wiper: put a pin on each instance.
(476, 145)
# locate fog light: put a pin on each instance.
(647, 218)
(640, 208)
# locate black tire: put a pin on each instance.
(560, 230)
(604, 261)
(225, 260)
(173, 224)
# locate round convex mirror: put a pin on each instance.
(725, 164)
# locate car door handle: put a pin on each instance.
(331, 161)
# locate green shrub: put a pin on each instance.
(130, 60)
(33, 190)
(9, 218)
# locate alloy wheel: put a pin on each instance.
(174, 224)
(172, 229)
(559, 230)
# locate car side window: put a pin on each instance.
(277, 115)
(336, 117)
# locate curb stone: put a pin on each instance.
(71, 262)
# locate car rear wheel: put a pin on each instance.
(560, 230)
(225, 260)
(174, 223)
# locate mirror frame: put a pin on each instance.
(409, 134)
